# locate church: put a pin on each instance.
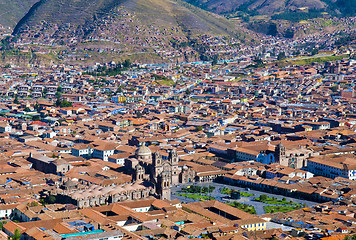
(152, 168)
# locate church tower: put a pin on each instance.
(140, 173)
(165, 186)
(173, 159)
(157, 165)
(280, 154)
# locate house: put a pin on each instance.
(103, 151)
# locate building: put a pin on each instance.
(333, 166)
(49, 165)
(163, 173)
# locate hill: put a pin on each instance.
(145, 30)
(275, 7)
(12, 11)
(85, 13)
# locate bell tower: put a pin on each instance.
(140, 173)
(280, 154)
(165, 186)
(173, 159)
(157, 165)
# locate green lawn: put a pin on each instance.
(244, 207)
(244, 194)
(166, 82)
(283, 209)
(198, 189)
(309, 61)
(228, 192)
(274, 201)
(196, 196)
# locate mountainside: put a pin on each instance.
(272, 7)
(12, 11)
(150, 29)
(156, 12)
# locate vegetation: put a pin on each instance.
(272, 200)
(63, 103)
(310, 60)
(197, 197)
(351, 237)
(298, 16)
(16, 100)
(198, 189)
(244, 207)
(2, 223)
(258, 63)
(228, 192)
(33, 204)
(105, 71)
(281, 56)
(198, 128)
(163, 80)
(17, 235)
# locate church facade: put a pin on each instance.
(151, 167)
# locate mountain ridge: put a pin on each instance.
(273, 7)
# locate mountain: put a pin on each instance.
(273, 7)
(149, 30)
(12, 11)
(169, 13)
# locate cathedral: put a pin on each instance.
(152, 168)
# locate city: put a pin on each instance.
(160, 134)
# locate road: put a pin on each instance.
(246, 200)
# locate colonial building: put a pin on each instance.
(163, 173)
(292, 157)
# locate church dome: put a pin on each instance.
(143, 151)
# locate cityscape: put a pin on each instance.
(226, 125)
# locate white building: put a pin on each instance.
(333, 166)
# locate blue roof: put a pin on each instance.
(81, 233)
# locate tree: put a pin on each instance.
(34, 204)
(36, 118)
(263, 197)
(126, 63)
(51, 199)
(334, 88)
(314, 51)
(215, 60)
(16, 100)
(63, 103)
(281, 56)
(198, 128)
(296, 53)
(17, 234)
(258, 62)
(351, 237)
(36, 106)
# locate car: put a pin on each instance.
(247, 189)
